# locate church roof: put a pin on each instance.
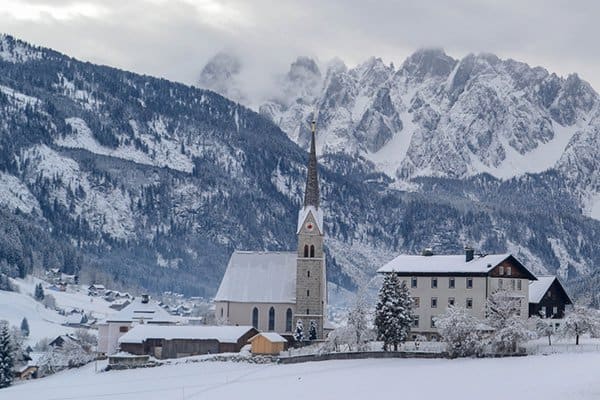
(311, 194)
(317, 214)
(259, 277)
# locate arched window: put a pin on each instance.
(221, 311)
(306, 251)
(288, 320)
(312, 251)
(307, 311)
(255, 317)
(308, 274)
(271, 319)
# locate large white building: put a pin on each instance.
(439, 281)
(273, 290)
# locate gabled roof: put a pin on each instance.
(259, 277)
(223, 334)
(537, 289)
(317, 214)
(142, 312)
(447, 264)
(272, 337)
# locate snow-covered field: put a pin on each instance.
(572, 376)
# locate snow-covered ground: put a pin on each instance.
(572, 376)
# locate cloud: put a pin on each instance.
(175, 38)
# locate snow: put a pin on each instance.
(264, 277)
(15, 195)
(19, 99)
(594, 206)
(572, 376)
(145, 312)
(537, 289)
(224, 334)
(273, 337)
(317, 214)
(443, 264)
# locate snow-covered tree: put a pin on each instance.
(579, 321)
(25, 327)
(38, 294)
(299, 332)
(503, 315)
(49, 301)
(461, 332)
(339, 339)
(543, 328)
(6, 356)
(88, 340)
(358, 325)
(393, 314)
(312, 331)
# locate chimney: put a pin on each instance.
(427, 252)
(145, 299)
(469, 253)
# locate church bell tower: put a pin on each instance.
(311, 278)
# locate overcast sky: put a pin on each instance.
(175, 38)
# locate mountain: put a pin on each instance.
(152, 184)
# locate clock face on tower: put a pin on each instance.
(309, 226)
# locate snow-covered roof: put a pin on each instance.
(317, 214)
(223, 334)
(259, 277)
(419, 264)
(273, 337)
(95, 286)
(537, 289)
(142, 312)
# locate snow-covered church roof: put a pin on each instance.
(259, 277)
(317, 214)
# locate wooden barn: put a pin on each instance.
(183, 341)
(268, 343)
(548, 298)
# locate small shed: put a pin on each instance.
(268, 343)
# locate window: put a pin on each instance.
(432, 322)
(554, 310)
(307, 311)
(434, 302)
(312, 251)
(305, 251)
(416, 302)
(544, 311)
(451, 283)
(469, 303)
(123, 329)
(221, 311)
(501, 270)
(500, 283)
(308, 274)
(450, 301)
(415, 323)
(255, 317)
(434, 283)
(508, 271)
(512, 284)
(271, 319)
(307, 293)
(519, 287)
(288, 320)
(413, 282)
(469, 283)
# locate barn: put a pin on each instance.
(268, 343)
(182, 341)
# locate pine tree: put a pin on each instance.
(299, 332)
(6, 357)
(393, 314)
(39, 292)
(312, 331)
(25, 327)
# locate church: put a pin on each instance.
(272, 290)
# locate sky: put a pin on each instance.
(175, 38)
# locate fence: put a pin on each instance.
(562, 348)
(358, 355)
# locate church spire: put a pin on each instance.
(311, 194)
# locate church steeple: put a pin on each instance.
(311, 194)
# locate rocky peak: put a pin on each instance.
(221, 75)
(426, 63)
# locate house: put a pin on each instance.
(268, 343)
(272, 291)
(96, 290)
(182, 341)
(119, 304)
(76, 320)
(548, 297)
(142, 311)
(439, 281)
(61, 340)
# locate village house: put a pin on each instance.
(548, 297)
(439, 281)
(272, 291)
(142, 311)
(269, 343)
(183, 341)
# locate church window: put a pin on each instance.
(288, 320)
(306, 251)
(307, 311)
(221, 311)
(312, 251)
(308, 274)
(271, 319)
(255, 317)
(307, 293)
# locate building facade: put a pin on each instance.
(437, 282)
(548, 298)
(272, 291)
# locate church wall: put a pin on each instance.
(241, 314)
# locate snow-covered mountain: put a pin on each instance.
(153, 183)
